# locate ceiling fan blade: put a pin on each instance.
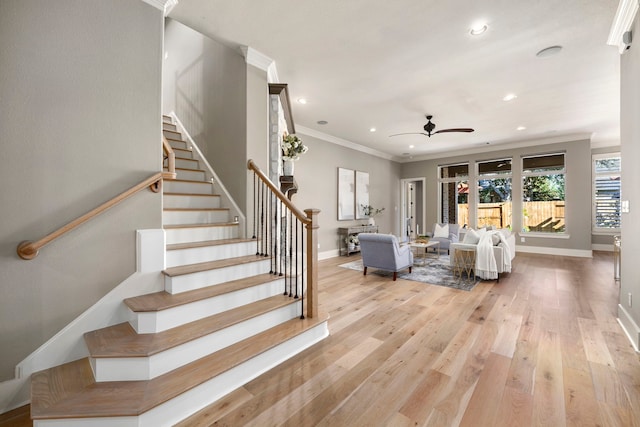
(409, 133)
(454, 130)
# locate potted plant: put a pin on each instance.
(292, 148)
(370, 212)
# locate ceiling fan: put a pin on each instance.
(429, 127)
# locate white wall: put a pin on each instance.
(80, 123)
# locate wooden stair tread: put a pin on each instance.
(208, 224)
(195, 209)
(69, 390)
(191, 181)
(174, 140)
(190, 245)
(212, 265)
(191, 194)
(163, 300)
(123, 341)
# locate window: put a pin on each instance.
(454, 194)
(494, 193)
(543, 194)
(606, 192)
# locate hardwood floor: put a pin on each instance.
(540, 348)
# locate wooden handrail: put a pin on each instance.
(29, 250)
(297, 212)
(171, 159)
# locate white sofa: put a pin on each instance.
(503, 257)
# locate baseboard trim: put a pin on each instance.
(555, 251)
(601, 247)
(328, 254)
(629, 326)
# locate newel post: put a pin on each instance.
(312, 262)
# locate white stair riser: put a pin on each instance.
(178, 144)
(187, 164)
(201, 234)
(188, 187)
(158, 321)
(179, 201)
(195, 217)
(168, 126)
(189, 282)
(146, 368)
(190, 174)
(209, 253)
(186, 404)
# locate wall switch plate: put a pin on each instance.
(624, 206)
(521, 239)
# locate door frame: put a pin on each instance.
(403, 202)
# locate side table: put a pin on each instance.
(464, 262)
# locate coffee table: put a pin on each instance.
(420, 251)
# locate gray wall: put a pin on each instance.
(578, 189)
(205, 84)
(80, 123)
(630, 142)
(317, 176)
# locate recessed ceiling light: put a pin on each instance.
(302, 100)
(520, 128)
(372, 130)
(322, 122)
(510, 97)
(548, 51)
(478, 29)
(412, 146)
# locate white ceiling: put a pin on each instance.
(385, 64)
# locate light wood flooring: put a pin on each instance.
(540, 348)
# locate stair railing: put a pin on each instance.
(28, 250)
(289, 237)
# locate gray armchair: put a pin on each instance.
(445, 243)
(382, 251)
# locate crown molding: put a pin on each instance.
(344, 143)
(255, 58)
(164, 5)
(622, 22)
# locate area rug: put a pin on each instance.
(436, 271)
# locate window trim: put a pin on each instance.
(459, 178)
(487, 177)
(594, 175)
(524, 174)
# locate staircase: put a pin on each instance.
(222, 320)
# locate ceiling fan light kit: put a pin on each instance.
(430, 126)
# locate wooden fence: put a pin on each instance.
(537, 216)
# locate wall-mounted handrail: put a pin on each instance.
(276, 224)
(29, 250)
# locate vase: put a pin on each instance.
(372, 221)
(352, 247)
(287, 167)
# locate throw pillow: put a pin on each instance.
(495, 239)
(441, 231)
(471, 237)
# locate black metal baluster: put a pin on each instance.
(284, 249)
(302, 279)
(297, 255)
(282, 237)
(255, 190)
(290, 252)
